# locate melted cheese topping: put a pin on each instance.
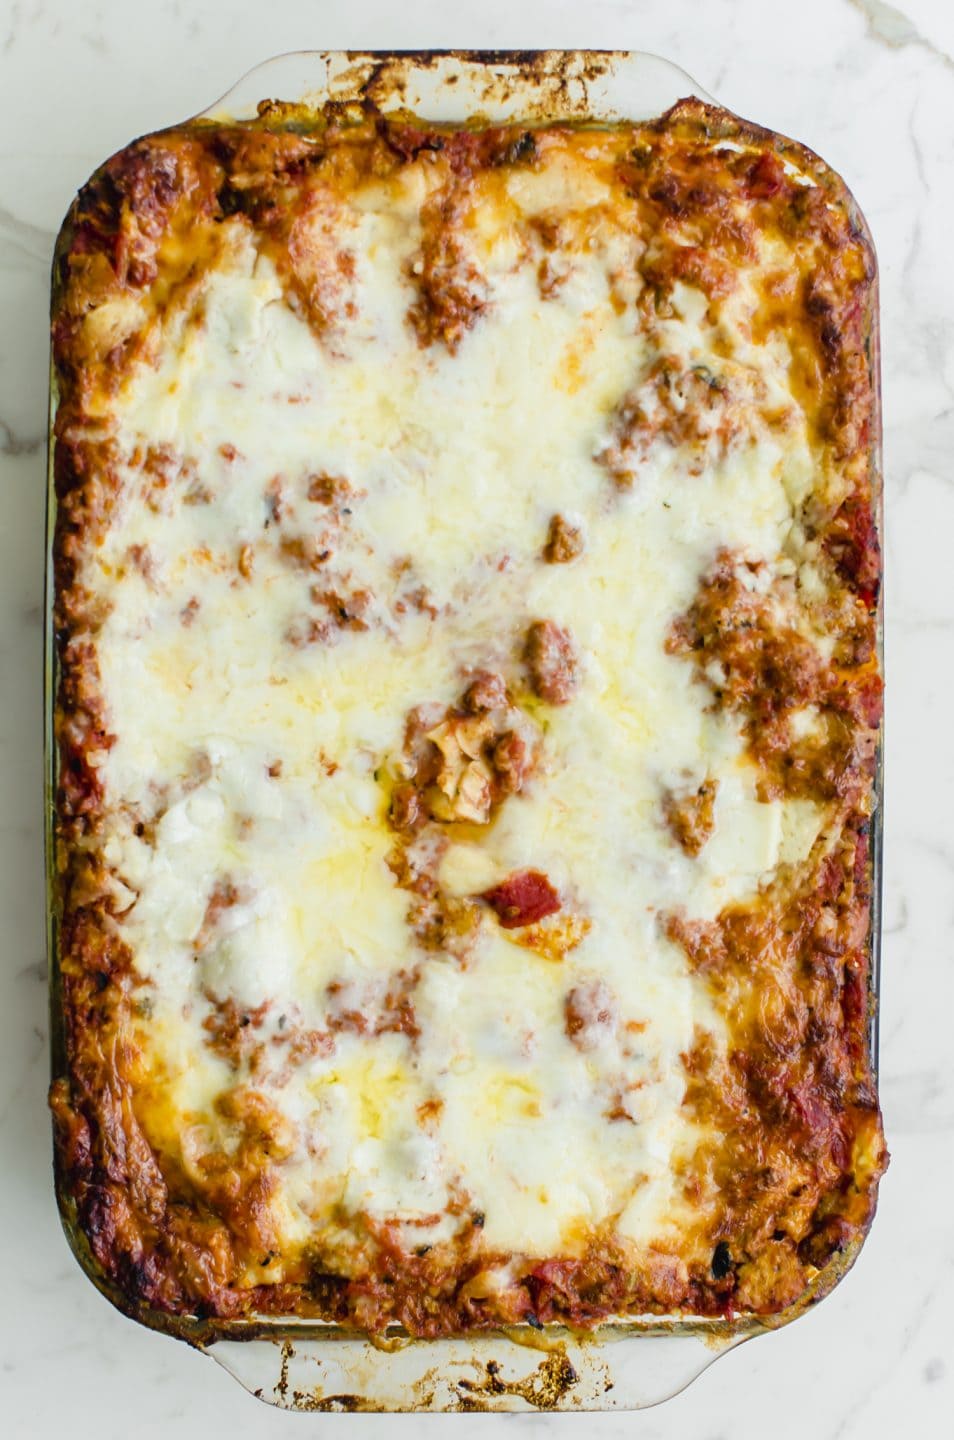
(250, 756)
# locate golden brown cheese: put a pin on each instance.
(466, 579)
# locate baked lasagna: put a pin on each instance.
(466, 581)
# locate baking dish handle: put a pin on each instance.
(607, 85)
(487, 1373)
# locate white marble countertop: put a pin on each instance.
(872, 89)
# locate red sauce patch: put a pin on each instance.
(766, 177)
(522, 899)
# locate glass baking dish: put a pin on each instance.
(308, 1365)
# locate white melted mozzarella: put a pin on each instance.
(254, 761)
